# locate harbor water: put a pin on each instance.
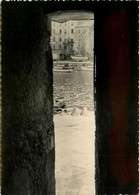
(74, 134)
(75, 89)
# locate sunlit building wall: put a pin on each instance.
(80, 32)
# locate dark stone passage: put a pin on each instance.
(116, 96)
(28, 133)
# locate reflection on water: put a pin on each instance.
(76, 89)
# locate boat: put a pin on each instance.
(79, 58)
(65, 68)
(59, 65)
(62, 70)
(59, 105)
(87, 68)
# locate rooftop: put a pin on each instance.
(71, 15)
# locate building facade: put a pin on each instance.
(72, 37)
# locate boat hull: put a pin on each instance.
(66, 71)
(87, 68)
(79, 58)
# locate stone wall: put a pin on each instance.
(28, 135)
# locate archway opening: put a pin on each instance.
(72, 43)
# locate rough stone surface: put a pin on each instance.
(28, 136)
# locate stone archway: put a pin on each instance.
(61, 56)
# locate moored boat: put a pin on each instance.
(64, 68)
(79, 58)
(87, 68)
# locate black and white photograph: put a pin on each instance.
(69, 97)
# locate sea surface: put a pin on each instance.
(74, 134)
(75, 89)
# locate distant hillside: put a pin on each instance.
(71, 15)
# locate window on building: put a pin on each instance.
(53, 46)
(60, 39)
(71, 30)
(53, 38)
(60, 31)
(84, 30)
(60, 46)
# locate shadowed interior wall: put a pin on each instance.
(117, 100)
(28, 135)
